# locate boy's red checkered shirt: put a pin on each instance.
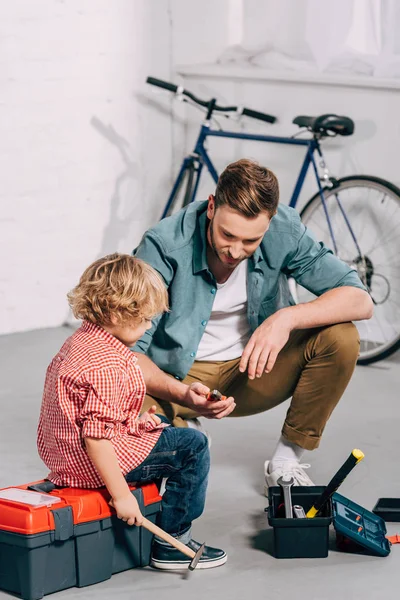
(93, 388)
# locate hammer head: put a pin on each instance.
(197, 557)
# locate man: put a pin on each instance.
(233, 324)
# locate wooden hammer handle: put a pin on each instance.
(168, 538)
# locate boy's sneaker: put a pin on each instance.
(170, 559)
(286, 469)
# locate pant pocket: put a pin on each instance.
(151, 472)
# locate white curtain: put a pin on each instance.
(360, 37)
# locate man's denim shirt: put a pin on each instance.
(176, 248)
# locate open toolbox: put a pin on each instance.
(356, 527)
(355, 524)
(55, 538)
(388, 509)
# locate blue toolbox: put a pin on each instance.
(55, 538)
(357, 529)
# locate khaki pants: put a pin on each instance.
(313, 368)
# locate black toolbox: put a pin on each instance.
(299, 538)
(68, 537)
(388, 509)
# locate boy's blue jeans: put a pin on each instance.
(182, 455)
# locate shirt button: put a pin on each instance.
(253, 312)
(213, 290)
(192, 354)
(204, 323)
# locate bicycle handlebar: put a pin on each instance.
(162, 84)
(255, 114)
(171, 87)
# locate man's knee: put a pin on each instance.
(342, 341)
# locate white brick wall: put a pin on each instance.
(85, 158)
(84, 161)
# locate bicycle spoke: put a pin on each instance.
(390, 220)
(373, 213)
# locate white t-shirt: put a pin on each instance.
(227, 331)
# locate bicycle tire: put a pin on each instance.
(183, 194)
(389, 190)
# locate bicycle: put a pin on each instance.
(354, 215)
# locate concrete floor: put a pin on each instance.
(368, 418)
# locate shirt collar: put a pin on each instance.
(99, 332)
(200, 247)
(258, 255)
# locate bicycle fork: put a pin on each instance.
(331, 182)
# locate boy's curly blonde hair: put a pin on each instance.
(119, 286)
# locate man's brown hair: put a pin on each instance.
(121, 286)
(249, 188)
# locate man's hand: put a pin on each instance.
(265, 344)
(196, 399)
(150, 416)
(127, 509)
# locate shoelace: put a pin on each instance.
(296, 471)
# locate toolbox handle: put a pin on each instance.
(45, 486)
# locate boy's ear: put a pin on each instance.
(113, 320)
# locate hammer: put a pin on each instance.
(195, 556)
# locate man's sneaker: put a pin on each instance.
(196, 424)
(170, 559)
(286, 470)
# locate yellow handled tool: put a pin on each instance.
(335, 482)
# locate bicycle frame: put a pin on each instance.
(200, 155)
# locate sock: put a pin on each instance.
(285, 451)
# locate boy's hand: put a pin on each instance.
(150, 416)
(196, 398)
(127, 509)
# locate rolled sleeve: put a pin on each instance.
(97, 429)
(316, 268)
(100, 413)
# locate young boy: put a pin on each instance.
(90, 433)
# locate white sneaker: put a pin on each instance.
(196, 424)
(286, 470)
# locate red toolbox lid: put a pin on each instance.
(87, 505)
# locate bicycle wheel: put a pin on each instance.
(183, 192)
(372, 207)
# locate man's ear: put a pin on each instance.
(211, 207)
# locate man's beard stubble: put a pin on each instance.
(219, 252)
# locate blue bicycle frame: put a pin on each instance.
(201, 156)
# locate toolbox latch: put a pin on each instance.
(64, 524)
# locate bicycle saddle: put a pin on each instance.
(326, 123)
